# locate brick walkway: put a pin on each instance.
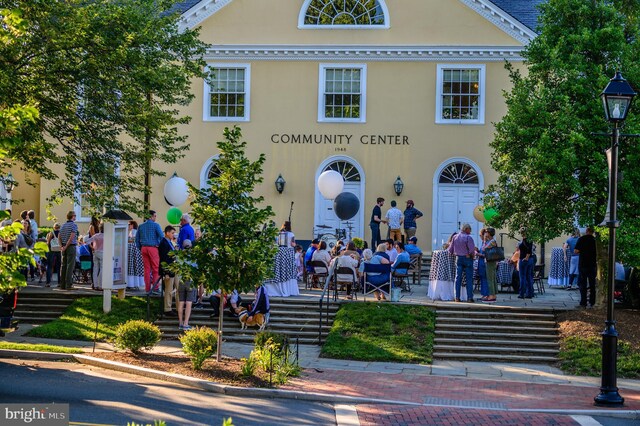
(451, 391)
(393, 415)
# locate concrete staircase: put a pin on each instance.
(42, 307)
(474, 332)
(293, 317)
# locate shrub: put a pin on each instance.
(137, 334)
(249, 366)
(199, 344)
(262, 339)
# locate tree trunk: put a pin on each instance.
(220, 318)
(147, 163)
(602, 253)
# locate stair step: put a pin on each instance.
(236, 325)
(495, 357)
(494, 342)
(475, 328)
(47, 314)
(497, 335)
(493, 349)
(32, 320)
(494, 314)
(508, 322)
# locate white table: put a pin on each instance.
(442, 277)
(285, 275)
(559, 274)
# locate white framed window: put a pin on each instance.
(344, 14)
(81, 206)
(460, 94)
(342, 93)
(227, 92)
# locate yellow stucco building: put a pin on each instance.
(373, 89)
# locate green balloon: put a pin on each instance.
(173, 215)
(489, 214)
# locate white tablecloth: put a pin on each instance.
(284, 282)
(442, 277)
(559, 274)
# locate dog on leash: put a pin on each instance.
(257, 320)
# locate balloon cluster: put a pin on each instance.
(176, 192)
(345, 204)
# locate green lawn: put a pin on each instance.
(37, 347)
(78, 322)
(583, 357)
(382, 332)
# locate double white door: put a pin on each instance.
(455, 207)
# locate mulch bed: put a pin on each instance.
(587, 323)
(227, 372)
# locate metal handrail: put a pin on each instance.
(330, 275)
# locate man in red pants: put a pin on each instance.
(148, 239)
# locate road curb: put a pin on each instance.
(280, 393)
(41, 356)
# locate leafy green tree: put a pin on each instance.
(237, 246)
(12, 263)
(552, 169)
(107, 80)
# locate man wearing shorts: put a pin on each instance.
(187, 294)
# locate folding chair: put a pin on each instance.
(84, 266)
(402, 280)
(538, 271)
(320, 270)
(384, 269)
(345, 275)
(416, 267)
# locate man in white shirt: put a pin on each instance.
(394, 217)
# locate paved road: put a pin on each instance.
(107, 397)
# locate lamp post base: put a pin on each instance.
(609, 398)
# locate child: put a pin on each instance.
(299, 261)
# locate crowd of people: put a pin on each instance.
(149, 249)
(391, 251)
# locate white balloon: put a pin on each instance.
(176, 191)
(330, 184)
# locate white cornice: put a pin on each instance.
(502, 20)
(200, 12)
(363, 53)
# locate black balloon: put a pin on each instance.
(346, 205)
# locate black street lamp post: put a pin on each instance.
(616, 98)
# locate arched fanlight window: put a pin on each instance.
(459, 173)
(213, 171)
(353, 13)
(348, 171)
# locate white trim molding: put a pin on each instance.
(369, 53)
(204, 171)
(481, 93)
(200, 12)
(502, 20)
(206, 101)
(303, 26)
(321, 92)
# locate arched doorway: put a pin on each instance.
(354, 182)
(456, 192)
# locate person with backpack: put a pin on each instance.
(54, 257)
